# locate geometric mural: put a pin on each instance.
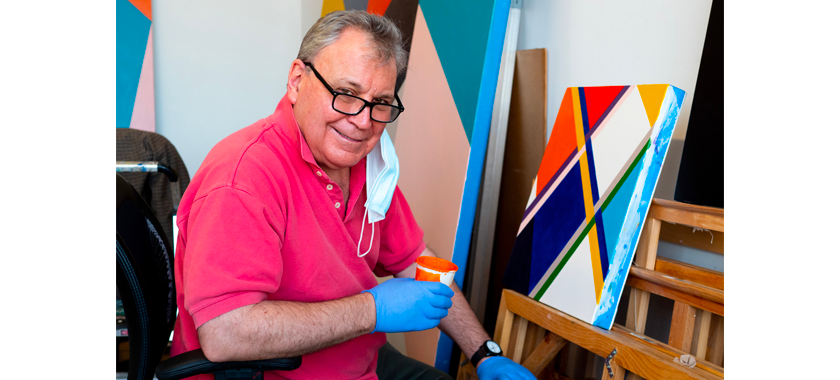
(592, 193)
(455, 50)
(135, 65)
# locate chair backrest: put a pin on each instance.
(156, 189)
(145, 279)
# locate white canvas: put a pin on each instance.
(618, 138)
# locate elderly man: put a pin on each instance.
(274, 260)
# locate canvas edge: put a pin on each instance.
(670, 100)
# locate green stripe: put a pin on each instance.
(590, 224)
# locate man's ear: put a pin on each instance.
(296, 73)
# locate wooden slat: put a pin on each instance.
(637, 312)
(544, 353)
(682, 326)
(500, 319)
(506, 321)
(632, 355)
(688, 236)
(668, 350)
(521, 328)
(714, 352)
(689, 272)
(648, 244)
(678, 284)
(533, 337)
(709, 218)
(701, 334)
(645, 258)
(675, 295)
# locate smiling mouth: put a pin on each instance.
(348, 138)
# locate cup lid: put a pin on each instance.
(436, 264)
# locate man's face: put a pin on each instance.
(337, 140)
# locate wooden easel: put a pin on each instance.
(532, 333)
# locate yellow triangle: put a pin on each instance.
(652, 96)
(332, 5)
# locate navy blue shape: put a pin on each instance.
(517, 273)
(602, 244)
(584, 115)
(550, 182)
(556, 222)
(593, 179)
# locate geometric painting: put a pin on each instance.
(455, 50)
(135, 65)
(592, 193)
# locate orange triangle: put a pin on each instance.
(652, 97)
(331, 5)
(144, 6)
(561, 144)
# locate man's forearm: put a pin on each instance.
(462, 326)
(276, 329)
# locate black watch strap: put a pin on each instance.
(488, 348)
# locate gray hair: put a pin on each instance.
(385, 36)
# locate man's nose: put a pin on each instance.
(362, 119)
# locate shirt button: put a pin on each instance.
(337, 204)
(329, 187)
(318, 173)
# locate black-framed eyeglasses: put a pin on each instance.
(353, 105)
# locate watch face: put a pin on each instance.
(494, 348)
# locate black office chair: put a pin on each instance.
(146, 280)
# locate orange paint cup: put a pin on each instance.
(435, 269)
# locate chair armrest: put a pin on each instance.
(194, 362)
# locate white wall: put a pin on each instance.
(614, 42)
(220, 66)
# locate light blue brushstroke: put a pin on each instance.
(637, 212)
(613, 215)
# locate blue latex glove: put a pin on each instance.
(500, 367)
(403, 304)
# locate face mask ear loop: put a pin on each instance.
(362, 234)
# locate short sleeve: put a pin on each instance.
(402, 239)
(232, 256)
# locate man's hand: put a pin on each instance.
(403, 304)
(500, 367)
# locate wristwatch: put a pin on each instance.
(488, 348)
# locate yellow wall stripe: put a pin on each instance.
(331, 5)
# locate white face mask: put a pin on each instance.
(383, 171)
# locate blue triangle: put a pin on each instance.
(132, 34)
(460, 31)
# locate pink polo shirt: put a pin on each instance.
(261, 221)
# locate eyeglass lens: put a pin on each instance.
(352, 105)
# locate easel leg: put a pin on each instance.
(701, 338)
